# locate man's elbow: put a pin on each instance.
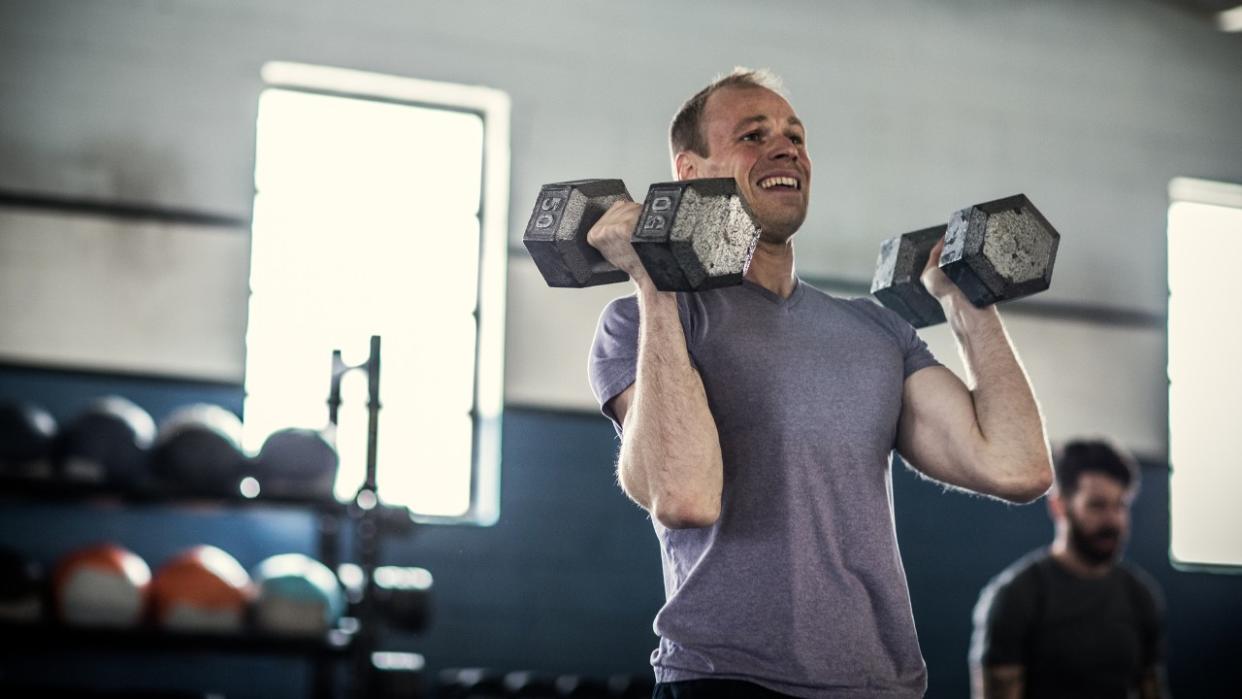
(1029, 484)
(686, 512)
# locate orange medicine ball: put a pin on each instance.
(101, 585)
(203, 589)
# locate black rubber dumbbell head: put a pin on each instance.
(1000, 250)
(994, 251)
(556, 234)
(695, 235)
(896, 283)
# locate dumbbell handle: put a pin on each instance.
(547, 243)
(555, 201)
(556, 235)
(995, 251)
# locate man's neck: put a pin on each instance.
(1070, 560)
(772, 267)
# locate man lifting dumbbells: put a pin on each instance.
(757, 425)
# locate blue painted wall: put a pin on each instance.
(568, 580)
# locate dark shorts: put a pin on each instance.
(714, 689)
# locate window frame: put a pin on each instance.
(492, 106)
(1188, 190)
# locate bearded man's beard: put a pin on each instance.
(1097, 547)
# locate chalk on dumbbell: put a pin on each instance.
(994, 251)
(695, 235)
(556, 235)
(1000, 250)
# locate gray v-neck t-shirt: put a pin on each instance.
(799, 585)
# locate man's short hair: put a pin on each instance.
(686, 132)
(1079, 456)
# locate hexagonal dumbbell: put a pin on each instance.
(695, 235)
(994, 251)
(691, 235)
(556, 235)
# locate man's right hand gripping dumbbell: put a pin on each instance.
(686, 236)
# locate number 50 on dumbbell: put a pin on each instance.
(691, 235)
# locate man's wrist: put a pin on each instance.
(646, 287)
(963, 316)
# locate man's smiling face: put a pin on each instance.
(753, 136)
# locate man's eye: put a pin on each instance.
(752, 136)
(797, 140)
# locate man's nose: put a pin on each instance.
(784, 148)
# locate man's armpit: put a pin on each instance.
(620, 404)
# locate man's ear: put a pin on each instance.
(686, 165)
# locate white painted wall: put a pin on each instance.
(914, 108)
(80, 291)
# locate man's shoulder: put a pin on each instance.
(1137, 573)
(1141, 582)
(1012, 593)
(618, 314)
(1023, 572)
(622, 304)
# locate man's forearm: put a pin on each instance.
(670, 453)
(1015, 449)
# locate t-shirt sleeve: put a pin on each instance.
(1151, 613)
(613, 363)
(1002, 620)
(914, 350)
(917, 355)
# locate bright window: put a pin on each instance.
(379, 210)
(1205, 337)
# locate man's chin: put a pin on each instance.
(1099, 553)
(778, 229)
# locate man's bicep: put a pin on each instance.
(938, 430)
